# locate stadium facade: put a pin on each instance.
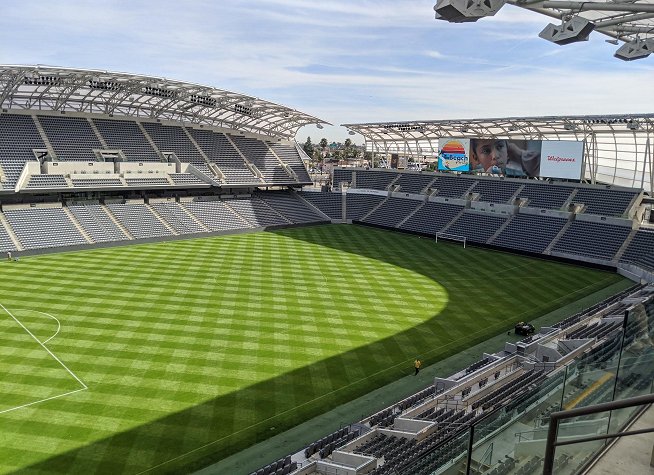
(94, 158)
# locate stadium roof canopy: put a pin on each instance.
(618, 148)
(629, 21)
(103, 92)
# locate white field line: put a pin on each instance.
(407, 364)
(56, 320)
(84, 386)
(43, 400)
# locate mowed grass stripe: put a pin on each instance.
(221, 342)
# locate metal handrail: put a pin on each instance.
(556, 417)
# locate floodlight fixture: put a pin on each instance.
(570, 31)
(351, 132)
(319, 126)
(637, 49)
(461, 11)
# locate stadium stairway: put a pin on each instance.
(117, 222)
(162, 220)
(453, 220)
(564, 229)
(44, 137)
(14, 239)
(499, 230)
(77, 224)
(408, 216)
(374, 208)
(312, 207)
(625, 245)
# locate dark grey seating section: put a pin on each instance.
(530, 233)
(476, 227)
(172, 138)
(375, 179)
(47, 181)
(38, 228)
(358, 205)
(138, 220)
(126, 136)
(341, 176)
(545, 195)
(72, 138)
(641, 250)
(328, 203)
(392, 212)
(496, 191)
(96, 223)
(177, 217)
(215, 215)
(145, 180)
(18, 137)
(221, 152)
(186, 179)
(452, 186)
(291, 207)
(605, 202)
(96, 182)
(6, 244)
(431, 218)
(414, 183)
(260, 155)
(289, 155)
(256, 212)
(595, 240)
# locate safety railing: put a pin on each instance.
(557, 417)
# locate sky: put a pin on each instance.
(344, 61)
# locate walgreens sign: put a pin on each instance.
(561, 159)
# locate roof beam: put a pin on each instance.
(598, 6)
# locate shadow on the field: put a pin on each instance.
(281, 402)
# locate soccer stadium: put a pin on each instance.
(178, 294)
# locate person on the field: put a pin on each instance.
(503, 157)
(417, 364)
(8, 255)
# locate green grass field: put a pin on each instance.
(147, 358)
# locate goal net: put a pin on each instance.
(451, 237)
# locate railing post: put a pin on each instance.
(470, 443)
(548, 464)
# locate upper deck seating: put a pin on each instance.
(262, 157)
(545, 195)
(18, 138)
(220, 151)
(126, 135)
(72, 138)
(530, 233)
(289, 155)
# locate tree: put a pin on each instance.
(308, 147)
(348, 144)
(323, 143)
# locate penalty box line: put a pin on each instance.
(84, 386)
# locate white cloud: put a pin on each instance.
(340, 60)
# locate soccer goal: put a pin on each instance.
(451, 237)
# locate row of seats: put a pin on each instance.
(523, 232)
(597, 330)
(76, 139)
(602, 201)
(282, 466)
(52, 227)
